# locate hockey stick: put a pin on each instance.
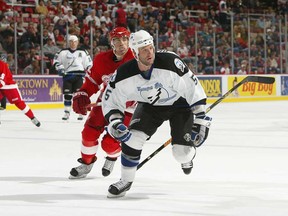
(258, 79)
(75, 74)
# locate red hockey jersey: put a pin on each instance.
(104, 65)
(6, 77)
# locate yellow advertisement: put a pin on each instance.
(251, 88)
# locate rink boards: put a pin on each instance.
(45, 91)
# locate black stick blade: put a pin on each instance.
(261, 79)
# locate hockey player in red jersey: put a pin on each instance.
(9, 89)
(104, 65)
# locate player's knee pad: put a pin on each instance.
(68, 96)
(182, 153)
(111, 146)
(137, 139)
(131, 150)
(130, 157)
(67, 99)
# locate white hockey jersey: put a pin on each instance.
(169, 82)
(72, 61)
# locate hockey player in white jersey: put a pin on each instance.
(165, 89)
(72, 63)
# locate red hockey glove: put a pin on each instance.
(80, 102)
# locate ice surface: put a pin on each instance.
(242, 169)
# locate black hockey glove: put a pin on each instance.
(118, 130)
(61, 72)
(200, 129)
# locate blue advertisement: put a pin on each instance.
(284, 85)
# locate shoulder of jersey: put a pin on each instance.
(170, 61)
(164, 59)
(126, 70)
(84, 50)
(104, 55)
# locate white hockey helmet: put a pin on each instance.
(140, 39)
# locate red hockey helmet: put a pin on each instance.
(119, 32)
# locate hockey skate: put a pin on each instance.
(119, 189)
(66, 115)
(108, 166)
(80, 117)
(36, 122)
(187, 167)
(82, 170)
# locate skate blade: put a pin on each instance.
(112, 196)
(78, 177)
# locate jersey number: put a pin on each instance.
(107, 94)
(193, 77)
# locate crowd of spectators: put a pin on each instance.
(173, 24)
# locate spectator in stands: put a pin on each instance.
(260, 24)
(225, 69)
(120, 16)
(272, 63)
(51, 8)
(33, 68)
(69, 17)
(223, 15)
(207, 62)
(4, 7)
(5, 24)
(8, 44)
(50, 49)
(103, 28)
(59, 9)
(92, 18)
(41, 8)
(243, 69)
(65, 7)
(81, 17)
(91, 7)
(45, 36)
(183, 17)
(20, 28)
(137, 4)
(11, 62)
(51, 33)
(106, 18)
(59, 38)
(75, 6)
(61, 26)
(86, 45)
(29, 38)
(183, 50)
(177, 4)
(213, 16)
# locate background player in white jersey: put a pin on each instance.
(165, 89)
(72, 63)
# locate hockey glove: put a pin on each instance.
(61, 72)
(118, 130)
(80, 102)
(200, 129)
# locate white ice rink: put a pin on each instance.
(242, 169)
